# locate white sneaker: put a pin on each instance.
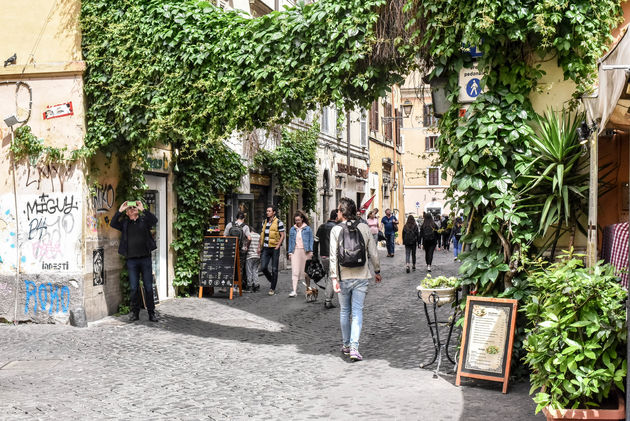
(429, 268)
(292, 294)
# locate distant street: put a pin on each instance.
(256, 357)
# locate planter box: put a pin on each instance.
(445, 295)
(588, 414)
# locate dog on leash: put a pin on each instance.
(311, 293)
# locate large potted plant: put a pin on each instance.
(576, 344)
(444, 288)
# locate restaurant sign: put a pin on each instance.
(350, 170)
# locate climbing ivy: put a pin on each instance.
(485, 150)
(293, 165)
(26, 145)
(201, 177)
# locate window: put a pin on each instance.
(325, 124)
(363, 125)
(434, 176)
(430, 143)
(374, 117)
(428, 118)
(389, 126)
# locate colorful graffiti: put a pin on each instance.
(8, 235)
(46, 297)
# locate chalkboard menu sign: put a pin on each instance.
(218, 260)
(488, 336)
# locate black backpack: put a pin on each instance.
(351, 249)
(428, 233)
(237, 231)
(410, 236)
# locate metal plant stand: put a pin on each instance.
(435, 331)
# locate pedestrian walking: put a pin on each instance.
(372, 222)
(429, 238)
(456, 235)
(410, 240)
(446, 225)
(253, 262)
(300, 250)
(389, 224)
(321, 248)
(271, 238)
(240, 230)
(351, 245)
(136, 245)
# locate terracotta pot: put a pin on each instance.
(588, 414)
(445, 295)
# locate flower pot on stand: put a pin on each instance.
(444, 295)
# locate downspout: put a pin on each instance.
(17, 233)
(348, 139)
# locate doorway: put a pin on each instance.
(155, 197)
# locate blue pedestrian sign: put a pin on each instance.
(473, 88)
(417, 204)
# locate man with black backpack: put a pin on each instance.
(351, 245)
(240, 230)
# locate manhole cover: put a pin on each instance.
(34, 365)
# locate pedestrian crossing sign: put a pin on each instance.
(469, 84)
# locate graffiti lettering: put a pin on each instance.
(104, 198)
(48, 171)
(38, 227)
(44, 204)
(55, 266)
(46, 296)
(46, 249)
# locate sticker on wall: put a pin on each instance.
(59, 110)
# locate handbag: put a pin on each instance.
(381, 236)
(314, 270)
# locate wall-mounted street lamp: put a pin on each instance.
(438, 95)
(407, 107)
(11, 121)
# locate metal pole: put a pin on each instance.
(591, 246)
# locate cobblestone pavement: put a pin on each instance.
(256, 357)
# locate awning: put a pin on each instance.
(608, 107)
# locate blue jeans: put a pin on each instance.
(457, 246)
(135, 266)
(351, 299)
(270, 254)
(389, 238)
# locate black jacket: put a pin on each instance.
(322, 239)
(120, 223)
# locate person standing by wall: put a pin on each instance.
(429, 238)
(321, 248)
(410, 240)
(136, 245)
(351, 282)
(240, 230)
(388, 223)
(300, 249)
(271, 238)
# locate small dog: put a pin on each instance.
(311, 293)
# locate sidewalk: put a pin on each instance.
(255, 357)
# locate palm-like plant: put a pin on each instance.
(554, 192)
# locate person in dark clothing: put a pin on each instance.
(456, 235)
(446, 233)
(389, 224)
(321, 248)
(410, 239)
(136, 245)
(429, 238)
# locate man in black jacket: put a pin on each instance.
(321, 247)
(136, 244)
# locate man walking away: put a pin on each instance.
(389, 223)
(322, 248)
(271, 238)
(351, 245)
(240, 230)
(136, 244)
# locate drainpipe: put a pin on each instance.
(17, 233)
(348, 139)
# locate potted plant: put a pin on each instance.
(576, 343)
(443, 286)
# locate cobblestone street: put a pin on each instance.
(256, 357)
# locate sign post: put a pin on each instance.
(220, 264)
(487, 340)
